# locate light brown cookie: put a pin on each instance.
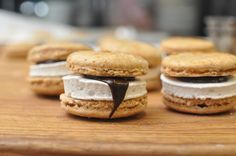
(102, 109)
(197, 106)
(18, 50)
(199, 64)
(107, 64)
(54, 51)
(112, 69)
(46, 85)
(176, 45)
(146, 51)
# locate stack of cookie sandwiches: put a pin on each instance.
(48, 65)
(175, 45)
(144, 50)
(200, 83)
(104, 85)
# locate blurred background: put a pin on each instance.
(182, 17)
(146, 20)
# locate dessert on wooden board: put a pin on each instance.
(48, 65)
(199, 83)
(104, 85)
(148, 52)
(175, 45)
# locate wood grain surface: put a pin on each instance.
(34, 125)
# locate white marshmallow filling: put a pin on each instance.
(84, 88)
(49, 69)
(197, 89)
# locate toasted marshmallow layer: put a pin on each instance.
(49, 69)
(189, 90)
(89, 89)
(152, 74)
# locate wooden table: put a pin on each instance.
(33, 125)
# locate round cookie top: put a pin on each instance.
(110, 64)
(186, 44)
(199, 65)
(146, 51)
(54, 51)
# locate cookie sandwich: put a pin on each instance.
(144, 50)
(175, 45)
(48, 65)
(104, 85)
(199, 83)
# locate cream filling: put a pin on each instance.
(152, 74)
(49, 69)
(88, 89)
(189, 90)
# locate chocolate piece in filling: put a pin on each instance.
(118, 87)
(49, 61)
(216, 79)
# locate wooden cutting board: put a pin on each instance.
(34, 125)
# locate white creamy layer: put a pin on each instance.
(182, 89)
(49, 69)
(152, 74)
(88, 89)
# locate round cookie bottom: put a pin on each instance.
(198, 106)
(154, 84)
(102, 109)
(47, 85)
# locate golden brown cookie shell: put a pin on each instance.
(102, 109)
(176, 45)
(199, 64)
(212, 106)
(107, 64)
(46, 85)
(54, 51)
(146, 51)
(18, 50)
